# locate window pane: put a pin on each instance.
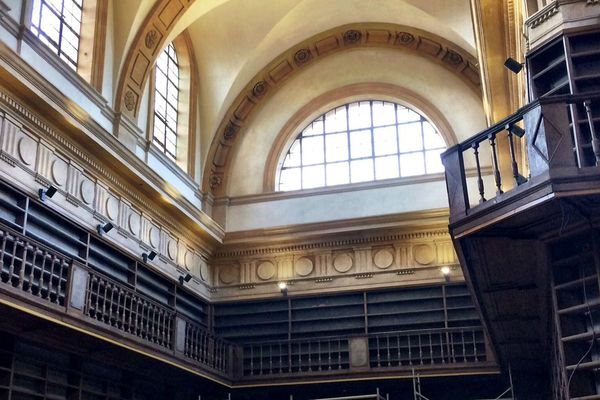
(386, 167)
(433, 161)
(362, 170)
(410, 137)
(338, 173)
(335, 120)
(359, 115)
(385, 140)
(336, 145)
(315, 128)
(290, 179)
(360, 144)
(432, 139)
(412, 164)
(293, 157)
(313, 176)
(407, 115)
(312, 150)
(384, 113)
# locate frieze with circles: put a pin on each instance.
(47, 165)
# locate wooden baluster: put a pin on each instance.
(13, 256)
(60, 288)
(442, 348)
(2, 254)
(595, 143)
(462, 341)
(399, 350)
(480, 187)
(319, 350)
(299, 356)
(475, 346)
(261, 359)
(389, 356)
(513, 158)
(409, 350)
(135, 308)
(377, 351)
(430, 349)
(251, 360)
(329, 354)
(280, 357)
(111, 303)
(50, 276)
(23, 265)
(452, 349)
(497, 178)
(420, 349)
(105, 300)
(339, 354)
(32, 270)
(309, 356)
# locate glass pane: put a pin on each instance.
(385, 140)
(335, 120)
(359, 115)
(362, 170)
(432, 139)
(313, 176)
(161, 83)
(312, 150)
(384, 113)
(360, 144)
(412, 164)
(315, 128)
(293, 157)
(336, 146)
(410, 137)
(386, 167)
(290, 179)
(338, 173)
(407, 115)
(433, 161)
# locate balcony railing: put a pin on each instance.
(551, 144)
(38, 274)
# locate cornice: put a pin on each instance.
(343, 38)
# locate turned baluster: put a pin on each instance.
(23, 264)
(32, 270)
(497, 178)
(595, 142)
(13, 256)
(480, 187)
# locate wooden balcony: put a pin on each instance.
(48, 284)
(504, 228)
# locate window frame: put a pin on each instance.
(397, 155)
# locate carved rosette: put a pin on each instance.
(129, 100)
(453, 58)
(352, 36)
(230, 131)
(405, 38)
(302, 56)
(150, 39)
(260, 88)
(215, 181)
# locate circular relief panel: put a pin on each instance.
(26, 149)
(154, 236)
(303, 266)
(59, 172)
(134, 224)
(383, 259)
(265, 270)
(188, 260)
(86, 190)
(172, 249)
(112, 208)
(424, 254)
(227, 275)
(203, 271)
(342, 263)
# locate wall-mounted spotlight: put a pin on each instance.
(102, 229)
(148, 256)
(515, 130)
(283, 288)
(446, 272)
(47, 193)
(513, 65)
(185, 278)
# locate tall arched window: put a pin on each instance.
(166, 102)
(359, 142)
(57, 23)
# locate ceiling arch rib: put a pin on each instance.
(142, 54)
(346, 37)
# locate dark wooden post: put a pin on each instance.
(456, 183)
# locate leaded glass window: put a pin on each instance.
(166, 101)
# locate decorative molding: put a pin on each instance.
(145, 48)
(289, 63)
(543, 15)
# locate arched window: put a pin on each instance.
(166, 102)
(359, 142)
(57, 23)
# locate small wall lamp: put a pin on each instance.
(185, 278)
(47, 193)
(102, 229)
(513, 65)
(283, 288)
(148, 256)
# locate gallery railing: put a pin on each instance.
(553, 141)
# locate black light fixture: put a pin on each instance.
(515, 130)
(102, 229)
(47, 193)
(513, 65)
(148, 256)
(185, 278)
(283, 288)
